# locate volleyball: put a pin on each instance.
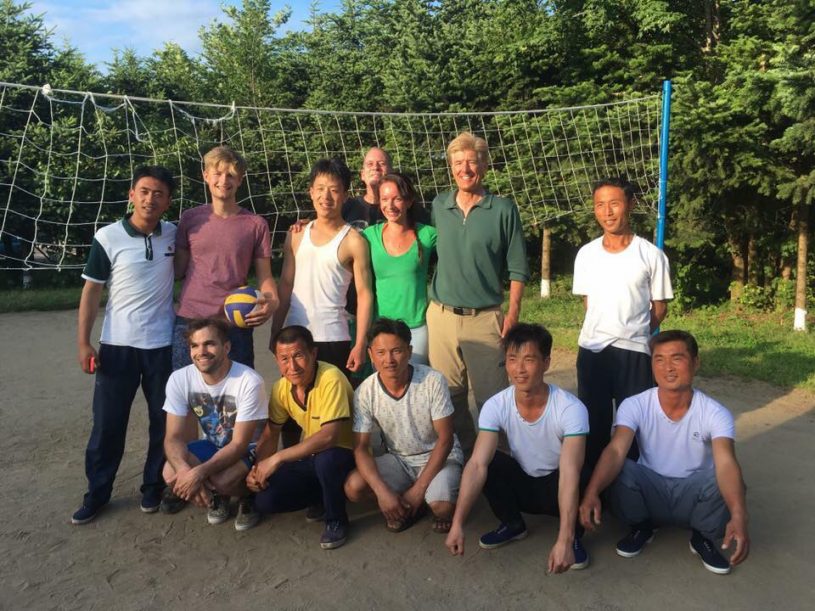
(239, 303)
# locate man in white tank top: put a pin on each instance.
(319, 265)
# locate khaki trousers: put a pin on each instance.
(466, 350)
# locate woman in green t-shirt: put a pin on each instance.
(400, 256)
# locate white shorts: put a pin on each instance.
(399, 476)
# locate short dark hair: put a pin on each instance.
(523, 333)
(220, 326)
(676, 335)
(335, 168)
(158, 172)
(389, 326)
(621, 182)
(291, 335)
(406, 191)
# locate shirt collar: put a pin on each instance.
(133, 232)
(486, 201)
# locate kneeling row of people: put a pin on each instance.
(528, 456)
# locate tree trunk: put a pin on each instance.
(546, 262)
(738, 275)
(800, 323)
(752, 261)
(712, 26)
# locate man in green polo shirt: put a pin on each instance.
(480, 242)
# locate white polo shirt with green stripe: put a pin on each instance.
(138, 271)
(536, 445)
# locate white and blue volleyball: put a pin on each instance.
(239, 303)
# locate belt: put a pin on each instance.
(464, 311)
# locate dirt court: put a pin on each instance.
(128, 560)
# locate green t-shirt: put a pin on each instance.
(401, 281)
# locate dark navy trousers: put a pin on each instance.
(121, 370)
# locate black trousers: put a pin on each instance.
(511, 491)
(604, 379)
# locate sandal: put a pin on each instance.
(398, 526)
(442, 526)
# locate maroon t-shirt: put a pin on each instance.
(221, 252)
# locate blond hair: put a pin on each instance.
(465, 141)
(225, 155)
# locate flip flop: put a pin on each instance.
(398, 526)
(442, 526)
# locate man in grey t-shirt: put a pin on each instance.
(411, 405)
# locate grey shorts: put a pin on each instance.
(399, 476)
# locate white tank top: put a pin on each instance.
(320, 288)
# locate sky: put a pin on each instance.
(96, 27)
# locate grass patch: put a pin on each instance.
(732, 340)
(42, 300)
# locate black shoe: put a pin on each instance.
(150, 501)
(711, 558)
(633, 543)
(315, 513)
(170, 503)
(85, 514)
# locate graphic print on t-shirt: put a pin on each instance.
(216, 414)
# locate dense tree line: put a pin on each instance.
(742, 169)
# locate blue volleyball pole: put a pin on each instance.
(663, 163)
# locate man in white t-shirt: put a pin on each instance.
(625, 284)
(546, 429)
(229, 401)
(687, 473)
(411, 406)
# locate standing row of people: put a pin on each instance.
(467, 338)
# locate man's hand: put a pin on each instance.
(252, 482)
(299, 225)
(265, 469)
(86, 353)
(188, 484)
(561, 557)
(392, 506)
(356, 359)
(414, 498)
(261, 313)
(736, 531)
(455, 540)
(510, 320)
(590, 510)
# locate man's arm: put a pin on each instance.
(193, 479)
(88, 309)
(325, 438)
(659, 310)
(416, 493)
(731, 486)
(608, 467)
(365, 298)
(270, 302)
(181, 260)
(285, 287)
(390, 503)
(266, 446)
(513, 315)
(472, 482)
(175, 450)
(572, 454)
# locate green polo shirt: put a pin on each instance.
(477, 252)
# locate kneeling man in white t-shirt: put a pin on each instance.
(687, 474)
(229, 401)
(546, 430)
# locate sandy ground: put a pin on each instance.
(128, 560)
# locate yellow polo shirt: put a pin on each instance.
(328, 400)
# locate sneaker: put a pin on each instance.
(218, 509)
(170, 503)
(315, 513)
(247, 516)
(84, 514)
(632, 544)
(711, 558)
(150, 501)
(505, 533)
(581, 556)
(334, 535)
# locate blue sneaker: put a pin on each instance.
(505, 533)
(334, 535)
(85, 514)
(581, 556)
(711, 558)
(633, 543)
